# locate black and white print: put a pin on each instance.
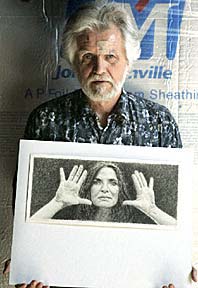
(102, 191)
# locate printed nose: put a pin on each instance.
(104, 188)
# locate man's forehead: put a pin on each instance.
(102, 45)
(99, 39)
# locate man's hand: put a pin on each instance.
(194, 274)
(68, 190)
(6, 268)
(193, 277)
(145, 199)
(33, 284)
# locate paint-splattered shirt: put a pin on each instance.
(133, 121)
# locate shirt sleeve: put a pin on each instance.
(30, 128)
(170, 135)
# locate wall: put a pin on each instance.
(32, 72)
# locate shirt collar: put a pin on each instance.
(122, 107)
(85, 107)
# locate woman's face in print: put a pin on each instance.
(105, 188)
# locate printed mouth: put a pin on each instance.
(104, 198)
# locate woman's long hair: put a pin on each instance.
(119, 213)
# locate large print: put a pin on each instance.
(65, 188)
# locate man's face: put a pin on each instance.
(101, 63)
(105, 188)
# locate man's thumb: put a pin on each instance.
(7, 267)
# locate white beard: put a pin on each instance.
(100, 92)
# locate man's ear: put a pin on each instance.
(129, 68)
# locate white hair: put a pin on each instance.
(100, 18)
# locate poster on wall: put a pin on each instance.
(96, 207)
(155, 75)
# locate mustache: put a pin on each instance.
(100, 78)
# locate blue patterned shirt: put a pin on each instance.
(133, 121)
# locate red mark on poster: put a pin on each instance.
(141, 4)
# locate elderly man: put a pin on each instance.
(100, 43)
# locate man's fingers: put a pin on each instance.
(194, 274)
(6, 267)
(40, 285)
(33, 284)
(21, 286)
(62, 175)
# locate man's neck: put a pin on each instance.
(103, 108)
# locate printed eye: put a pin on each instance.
(113, 182)
(97, 181)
